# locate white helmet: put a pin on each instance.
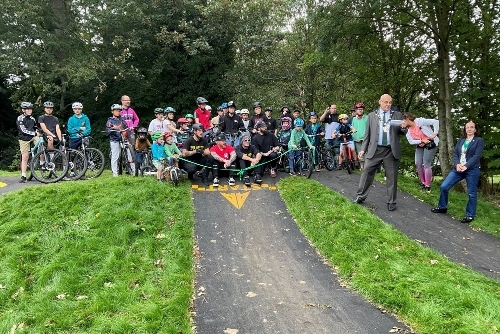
(77, 105)
(238, 111)
(245, 111)
(207, 107)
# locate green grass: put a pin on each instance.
(110, 255)
(422, 287)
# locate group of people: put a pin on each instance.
(252, 143)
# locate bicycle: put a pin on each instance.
(77, 163)
(282, 164)
(304, 161)
(47, 165)
(146, 167)
(348, 161)
(94, 157)
(328, 157)
(126, 159)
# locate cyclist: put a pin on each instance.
(130, 117)
(297, 137)
(268, 146)
(49, 124)
(223, 156)
(78, 126)
(331, 119)
(316, 131)
(142, 144)
(186, 131)
(271, 123)
(245, 118)
(345, 130)
(285, 112)
(115, 125)
(172, 152)
(285, 131)
(359, 123)
(231, 124)
(202, 114)
(224, 108)
(158, 154)
(296, 114)
(217, 119)
(257, 116)
(171, 125)
(196, 154)
(27, 133)
(190, 119)
(248, 155)
(158, 124)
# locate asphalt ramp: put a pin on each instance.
(257, 273)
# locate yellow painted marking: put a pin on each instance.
(236, 199)
(242, 187)
(3, 184)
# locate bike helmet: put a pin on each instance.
(269, 109)
(116, 107)
(343, 116)
(224, 105)
(158, 111)
(219, 108)
(167, 134)
(168, 110)
(209, 108)
(256, 104)
(237, 112)
(245, 111)
(285, 107)
(200, 100)
(77, 105)
(198, 126)
(189, 116)
(26, 105)
(298, 122)
(312, 113)
(288, 120)
(156, 135)
(359, 105)
(142, 130)
(259, 124)
(48, 104)
(182, 120)
(231, 104)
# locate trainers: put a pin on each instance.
(292, 173)
(231, 181)
(427, 189)
(23, 179)
(317, 169)
(258, 179)
(246, 180)
(216, 182)
(273, 172)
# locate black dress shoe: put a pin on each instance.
(358, 200)
(391, 206)
(437, 209)
(467, 220)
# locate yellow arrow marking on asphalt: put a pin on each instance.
(234, 188)
(236, 199)
(2, 184)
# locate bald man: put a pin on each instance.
(381, 144)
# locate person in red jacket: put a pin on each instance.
(202, 114)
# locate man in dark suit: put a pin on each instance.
(381, 144)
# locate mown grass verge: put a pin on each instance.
(111, 255)
(423, 288)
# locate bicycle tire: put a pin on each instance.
(95, 163)
(145, 170)
(308, 159)
(174, 176)
(348, 161)
(329, 160)
(54, 168)
(77, 164)
(129, 161)
(29, 175)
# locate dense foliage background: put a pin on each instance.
(436, 58)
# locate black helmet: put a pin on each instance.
(231, 104)
(159, 111)
(200, 100)
(26, 105)
(256, 104)
(259, 124)
(142, 130)
(198, 126)
(269, 109)
(48, 104)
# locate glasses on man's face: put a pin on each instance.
(246, 139)
(386, 102)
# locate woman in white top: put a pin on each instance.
(422, 132)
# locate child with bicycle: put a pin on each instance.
(115, 125)
(315, 131)
(297, 139)
(142, 145)
(172, 152)
(158, 154)
(345, 130)
(27, 133)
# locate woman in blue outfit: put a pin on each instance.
(466, 165)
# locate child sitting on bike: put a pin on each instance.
(142, 145)
(172, 152)
(158, 154)
(115, 126)
(186, 131)
(283, 138)
(297, 138)
(315, 131)
(344, 131)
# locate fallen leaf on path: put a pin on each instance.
(231, 331)
(81, 297)
(251, 294)
(160, 236)
(434, 261)
(61, 296)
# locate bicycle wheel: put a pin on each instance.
(348, 161)
(329, 160)
(308, 163)
(147, 170)
(95, 163)
(29, 174)
(77, 164)
(54, 166)
(129, 161)
(174, 176)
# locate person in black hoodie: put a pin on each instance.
(27, 133)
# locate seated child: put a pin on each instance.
(142, 145)
(158, 153)
(296, 137)
(345, 130)
(172, 152)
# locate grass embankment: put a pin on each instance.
(422, 287)
(111, 255)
